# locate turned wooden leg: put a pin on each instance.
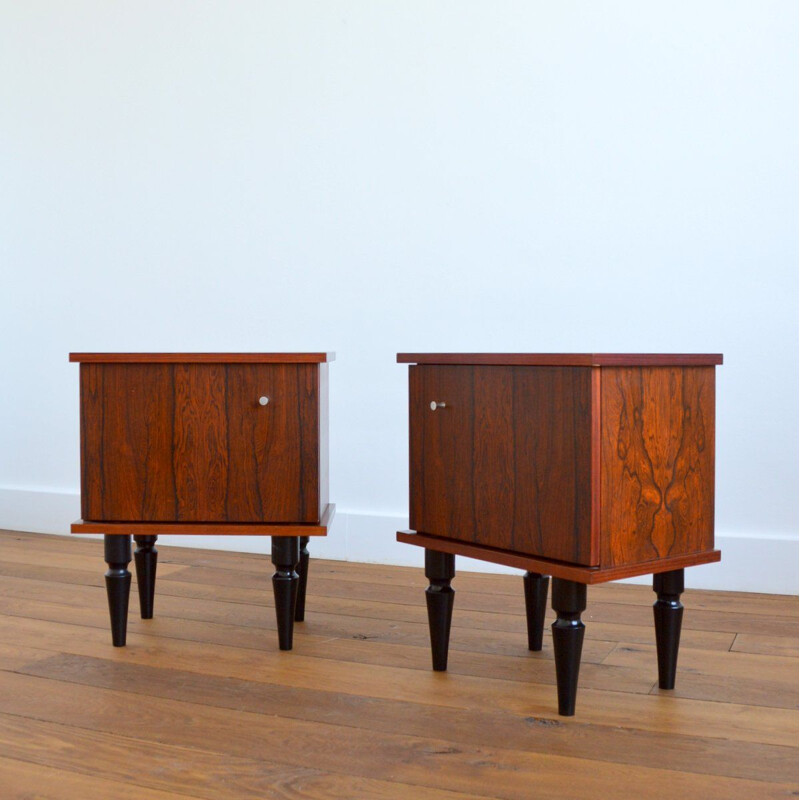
(146, 557)
(569, 600)
(302, 571)
(285, 555)
(118, 584)
(440, 569)
(535, 604)
(668, 614)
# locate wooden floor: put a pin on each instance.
(202, 704)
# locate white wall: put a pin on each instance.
(369, 177)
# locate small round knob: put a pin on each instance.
(263, 400)
(435, 405)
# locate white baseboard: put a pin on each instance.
(750, 563)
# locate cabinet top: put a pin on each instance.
(203, 358)
(566, 359)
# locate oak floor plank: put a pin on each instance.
(76, 561)
(354, 710)
(725, 720)
(509, 731)
(724, 677)
(191, 772)
(616, 592)
(22, 780)
(492, 620)
(638, 676)
(414, 760)
(237, 618)
(765, 645)
(621, 613)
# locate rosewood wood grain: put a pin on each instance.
(506, 462)
(657, 493)
(563, 359)
(322, 428)
(202, 358)
(190, 443)
(199, 448)
(441, 452)
(273, 450)
(127, 415)
(558, 569)
(209, 528)
(596, 455)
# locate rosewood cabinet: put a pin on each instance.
(204, 443)
(584, 467)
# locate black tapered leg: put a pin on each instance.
(146, 557)
(302, 571)
(118, 584)
(668, 614)
(535, 605)
(285, 555)
(440, 569)
(569, 600)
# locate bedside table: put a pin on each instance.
(204, 443)
(586, 467)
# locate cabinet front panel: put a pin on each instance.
(506, 461)
(192, 443)
(657, 481)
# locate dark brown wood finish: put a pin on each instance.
(506, 462)
(202, 358)
(559, 569)
(563, 359)
(216, 444)
(211, 528)
(190, 443)
(657, 493)
(127, 416)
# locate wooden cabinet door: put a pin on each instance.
(192, 443)
(506, 461)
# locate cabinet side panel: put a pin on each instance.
(324, 458)
(127, 424)
(657, 488)
(552, 463)
(306, 378)
(200, 442)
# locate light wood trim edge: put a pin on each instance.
(557, 569)
(209, 528)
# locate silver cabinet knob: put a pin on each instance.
(435, 405)
(263, 400)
